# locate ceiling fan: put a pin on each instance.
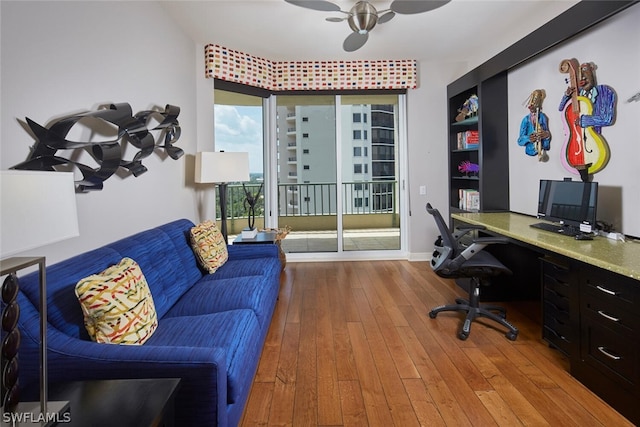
(363, 16)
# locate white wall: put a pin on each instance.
(59, 58)
(614, 47)
(427, 146)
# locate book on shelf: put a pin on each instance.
(469, 199)
(467, 140)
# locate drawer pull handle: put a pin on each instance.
(606, 316)
(606, 291)
(609, 355)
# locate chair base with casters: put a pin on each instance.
(455, 260)
(474, 309)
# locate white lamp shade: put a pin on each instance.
(37, 208)
(221, 166)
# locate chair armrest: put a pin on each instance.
(490, 240)
(464, 229)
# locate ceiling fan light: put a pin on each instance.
(363, 17)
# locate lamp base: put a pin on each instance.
(29, 414)
(249, 233)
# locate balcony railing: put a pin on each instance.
(318, 200)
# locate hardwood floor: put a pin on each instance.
(351, 343)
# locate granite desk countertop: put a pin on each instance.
(613, 255)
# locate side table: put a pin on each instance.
(122, 403)
(264, 237)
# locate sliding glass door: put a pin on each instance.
(370, 172)
(307, 172)
(329, 164)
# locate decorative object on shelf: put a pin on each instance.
(38, 209)
(221, 167)
(251, 200)
(586, 107)
(466, 167)
(468, 109)
(534, 128)
(131, 129)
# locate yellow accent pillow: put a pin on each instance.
(117, 305)
(209, 246)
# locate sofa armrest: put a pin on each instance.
(253, 251)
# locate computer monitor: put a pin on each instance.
(568, 202)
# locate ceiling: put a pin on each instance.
(462, 30)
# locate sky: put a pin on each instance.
(239, 128)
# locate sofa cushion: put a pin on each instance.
(117, 305)
(209, 246)
(236, 331)
(266, 266)
(258, 293)
(158, 256)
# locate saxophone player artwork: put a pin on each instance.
(534, 128)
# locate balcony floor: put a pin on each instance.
(354, 240)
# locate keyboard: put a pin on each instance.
(566, 230)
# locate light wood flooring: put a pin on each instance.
(351, 344)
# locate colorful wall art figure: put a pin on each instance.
(534, 128)
(586, 107)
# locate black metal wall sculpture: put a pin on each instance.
(131, 129)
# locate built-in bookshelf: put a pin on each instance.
(478, 147)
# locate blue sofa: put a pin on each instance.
(211, 327)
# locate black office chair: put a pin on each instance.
(452, 259)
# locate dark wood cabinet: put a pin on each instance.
(609, 361)
(591, 315)
(560, 318)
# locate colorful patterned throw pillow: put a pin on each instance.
(117, 305)
(209, 246)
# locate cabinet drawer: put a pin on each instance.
(560, 342)
(552, 297)
(602, 311)
(556, 269)
(611, 352)
(613, 288)
(557, 320)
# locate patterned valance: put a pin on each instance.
(238, 67)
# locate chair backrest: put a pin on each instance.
(445, 247)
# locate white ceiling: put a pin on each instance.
(462, 30)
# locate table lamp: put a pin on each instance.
(222, 167)
(37, 209)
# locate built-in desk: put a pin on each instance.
(616, 256)
(590, 301)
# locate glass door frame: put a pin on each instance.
(271, 185)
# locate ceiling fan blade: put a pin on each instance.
(321, 5)
(409, 7)
(386, 17)
(355, 41)
(336, 19)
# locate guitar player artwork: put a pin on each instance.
(586, 108)
(534, 128)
